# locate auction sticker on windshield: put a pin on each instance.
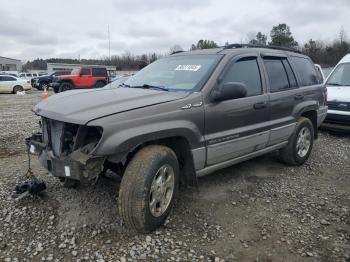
(188, 67)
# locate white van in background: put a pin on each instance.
(28, 76)
(338, 101)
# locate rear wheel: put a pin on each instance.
(300, 144)
(17, 89)
(65, 87)
(148, 188)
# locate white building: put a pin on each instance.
(10, 64)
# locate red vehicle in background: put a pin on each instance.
(82, 77)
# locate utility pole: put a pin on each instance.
(109, 44)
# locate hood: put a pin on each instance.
(338, 93)
(82, 106)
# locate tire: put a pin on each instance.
(44, 85)
(300, 144)
(69, 183)
(99, 84)
(17, 89)
(65, 87)
(55, 90)
(142, 186)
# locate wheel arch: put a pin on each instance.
(181, 147)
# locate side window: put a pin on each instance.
(306, 71)
(99, 72)
(8, 78)
(291, 76)
(278, 78)
(245, 71)
(85, 71)
(28, 75)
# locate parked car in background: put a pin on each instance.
(183, 116)
(42, 82)
(338, 101)
(11, 84)
(320, 73)
(28, 76)
(81, 78)
(11, 73)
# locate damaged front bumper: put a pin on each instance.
(77, 165)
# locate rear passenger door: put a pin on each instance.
(283, 96)
(237, 127)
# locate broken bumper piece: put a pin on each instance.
(77, 165)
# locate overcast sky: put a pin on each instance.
(69, 28)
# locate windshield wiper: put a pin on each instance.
(146, 86)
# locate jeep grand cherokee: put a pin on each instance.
(183, 116)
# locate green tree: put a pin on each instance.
(260, 39)
(282, 36)
(204, 44)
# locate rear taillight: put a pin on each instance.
(325, 94)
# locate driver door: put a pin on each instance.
(239, 126)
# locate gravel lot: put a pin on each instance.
(259, 210)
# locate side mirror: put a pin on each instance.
(228, 91)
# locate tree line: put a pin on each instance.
(326, 54)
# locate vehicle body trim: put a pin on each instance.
(228, 163)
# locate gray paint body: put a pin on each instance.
(219, 134)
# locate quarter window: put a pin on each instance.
(245, 71)
(306, 71)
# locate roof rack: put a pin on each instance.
(176, 52)
(230, 46)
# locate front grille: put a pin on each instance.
(339, 106)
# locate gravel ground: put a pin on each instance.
(259, 210)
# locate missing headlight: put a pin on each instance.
(88, 138)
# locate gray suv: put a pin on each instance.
(181, 117)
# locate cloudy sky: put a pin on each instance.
(69, 28)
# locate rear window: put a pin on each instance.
(306, 71)
(99, 72)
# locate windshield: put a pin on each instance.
(75, 71)
(176, 73)
(340, 76)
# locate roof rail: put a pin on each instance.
(230, 46)
(176, 52)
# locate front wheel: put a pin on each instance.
(148, 188)
(65, 87)
(17, 89)
(300, 144)
(43, 85)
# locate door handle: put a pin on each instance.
(299, 97)
(261, 105)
